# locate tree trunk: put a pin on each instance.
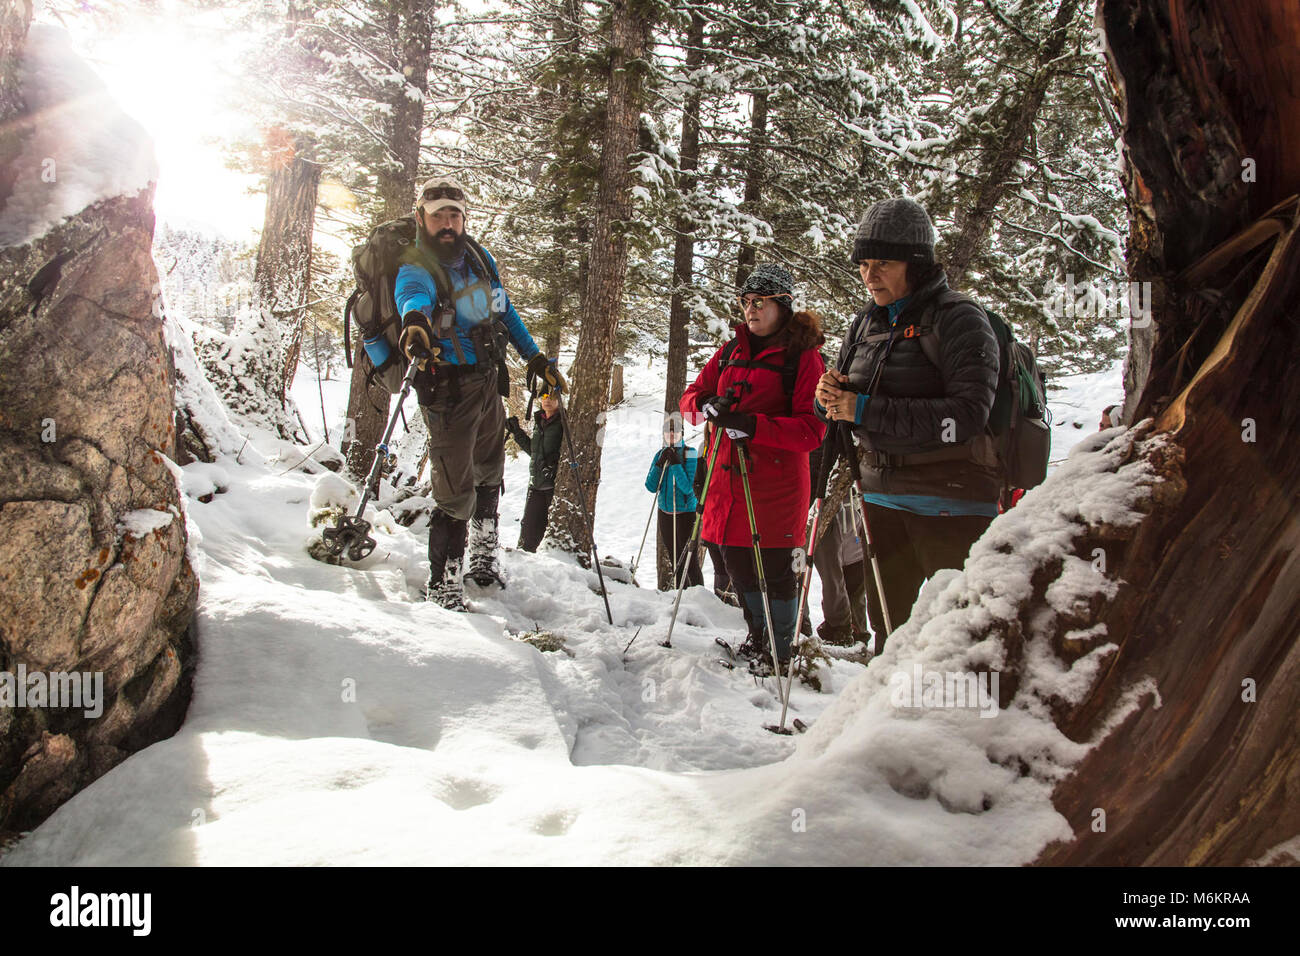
(616, 386)
(368, 410)
(755, 153)
(607, 269)
(568, 95)
(679, 315)
(1015, 124)
(1209, 584)
(411, 32)
(282, 276)
(409, 26)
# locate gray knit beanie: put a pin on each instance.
(768, 278)
(895, 229)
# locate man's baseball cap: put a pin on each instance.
(440, 192)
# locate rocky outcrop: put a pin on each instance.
(94, 577)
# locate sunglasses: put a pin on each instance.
(747, 302)
(444, 192)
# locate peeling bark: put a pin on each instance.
(1210, 597)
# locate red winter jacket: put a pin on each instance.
(786, 431)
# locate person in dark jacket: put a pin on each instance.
(543, 447)
(838, 559)
(672, 473)
(914, 381)
(750, 408)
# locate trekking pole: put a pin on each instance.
(829, 448)
(868, 542)
(351, 533)
(654, 506)
(742, 455)
(582, 499)
(680, 577)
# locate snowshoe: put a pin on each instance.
(449, 591)
(752, 648)
(730, 661)
(761, 666)
(485, 576)
(483, 567)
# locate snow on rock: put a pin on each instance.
(82, 149)
(143, 521)
(200, 480)
(332, 493)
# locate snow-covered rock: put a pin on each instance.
(94, 575)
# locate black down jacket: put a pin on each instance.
(925, 422)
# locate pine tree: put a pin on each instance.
(629, 26)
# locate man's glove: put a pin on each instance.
(716, 405)
(513, 422)
(737, 424)
(416, 339)
(540, 367)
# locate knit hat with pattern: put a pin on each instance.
(768, 278)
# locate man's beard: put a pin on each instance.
(448, 251)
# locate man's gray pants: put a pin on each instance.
(466, 440)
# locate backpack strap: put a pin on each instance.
(347, 326)
(484, 260)
(788, 370)
(789, 373)
(928, 335)
(727, 351)
(418, 255)
(912, 331)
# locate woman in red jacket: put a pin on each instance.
(757, 392)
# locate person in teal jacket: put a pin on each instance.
(673, 473)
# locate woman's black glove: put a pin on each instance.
(737, 424)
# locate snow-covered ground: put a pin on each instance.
(339, 719)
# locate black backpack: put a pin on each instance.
(1018, 421)
(371, 305)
